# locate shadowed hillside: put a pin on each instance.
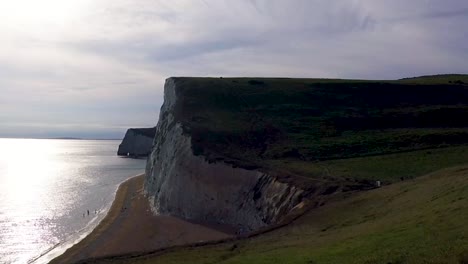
(260, 122)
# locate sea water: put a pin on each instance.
(47, 188)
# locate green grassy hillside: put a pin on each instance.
(437, 79)
(259, 122)
(388, 168)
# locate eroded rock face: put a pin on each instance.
(137, 142)
(182, 184)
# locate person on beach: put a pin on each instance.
(88, 212)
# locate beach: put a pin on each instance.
(130, 227)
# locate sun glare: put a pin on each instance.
(23, 179)
(27, 14)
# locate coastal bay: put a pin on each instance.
(47, 186)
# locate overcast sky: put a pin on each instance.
(93, 68)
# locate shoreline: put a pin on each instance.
(130, 226)
(74, 249)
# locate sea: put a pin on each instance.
(53, 193)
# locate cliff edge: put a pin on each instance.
(137, 142)
(183, 184)
(245, 152)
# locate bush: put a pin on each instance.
(256, 82)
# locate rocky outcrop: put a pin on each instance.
(137, 142)
(180, 183)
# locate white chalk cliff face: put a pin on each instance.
(181, 184)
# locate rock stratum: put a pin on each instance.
(183, 184)
(137, 142)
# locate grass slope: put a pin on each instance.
(255, 122)
(437, 79)
(388, 169)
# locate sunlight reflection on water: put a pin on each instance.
(47, 185)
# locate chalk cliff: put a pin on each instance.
(246, 151)
(137, 142)
(183, 184)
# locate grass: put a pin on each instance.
(437, 79)
(253, 120)
(417, 221)
(386, 168)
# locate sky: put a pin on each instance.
(93, 68)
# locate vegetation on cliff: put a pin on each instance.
(263, 123)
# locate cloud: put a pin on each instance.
(105, 62)
(445, 14)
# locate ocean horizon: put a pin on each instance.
(53, 192)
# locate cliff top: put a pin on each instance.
(277, 122)
(148, 132)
